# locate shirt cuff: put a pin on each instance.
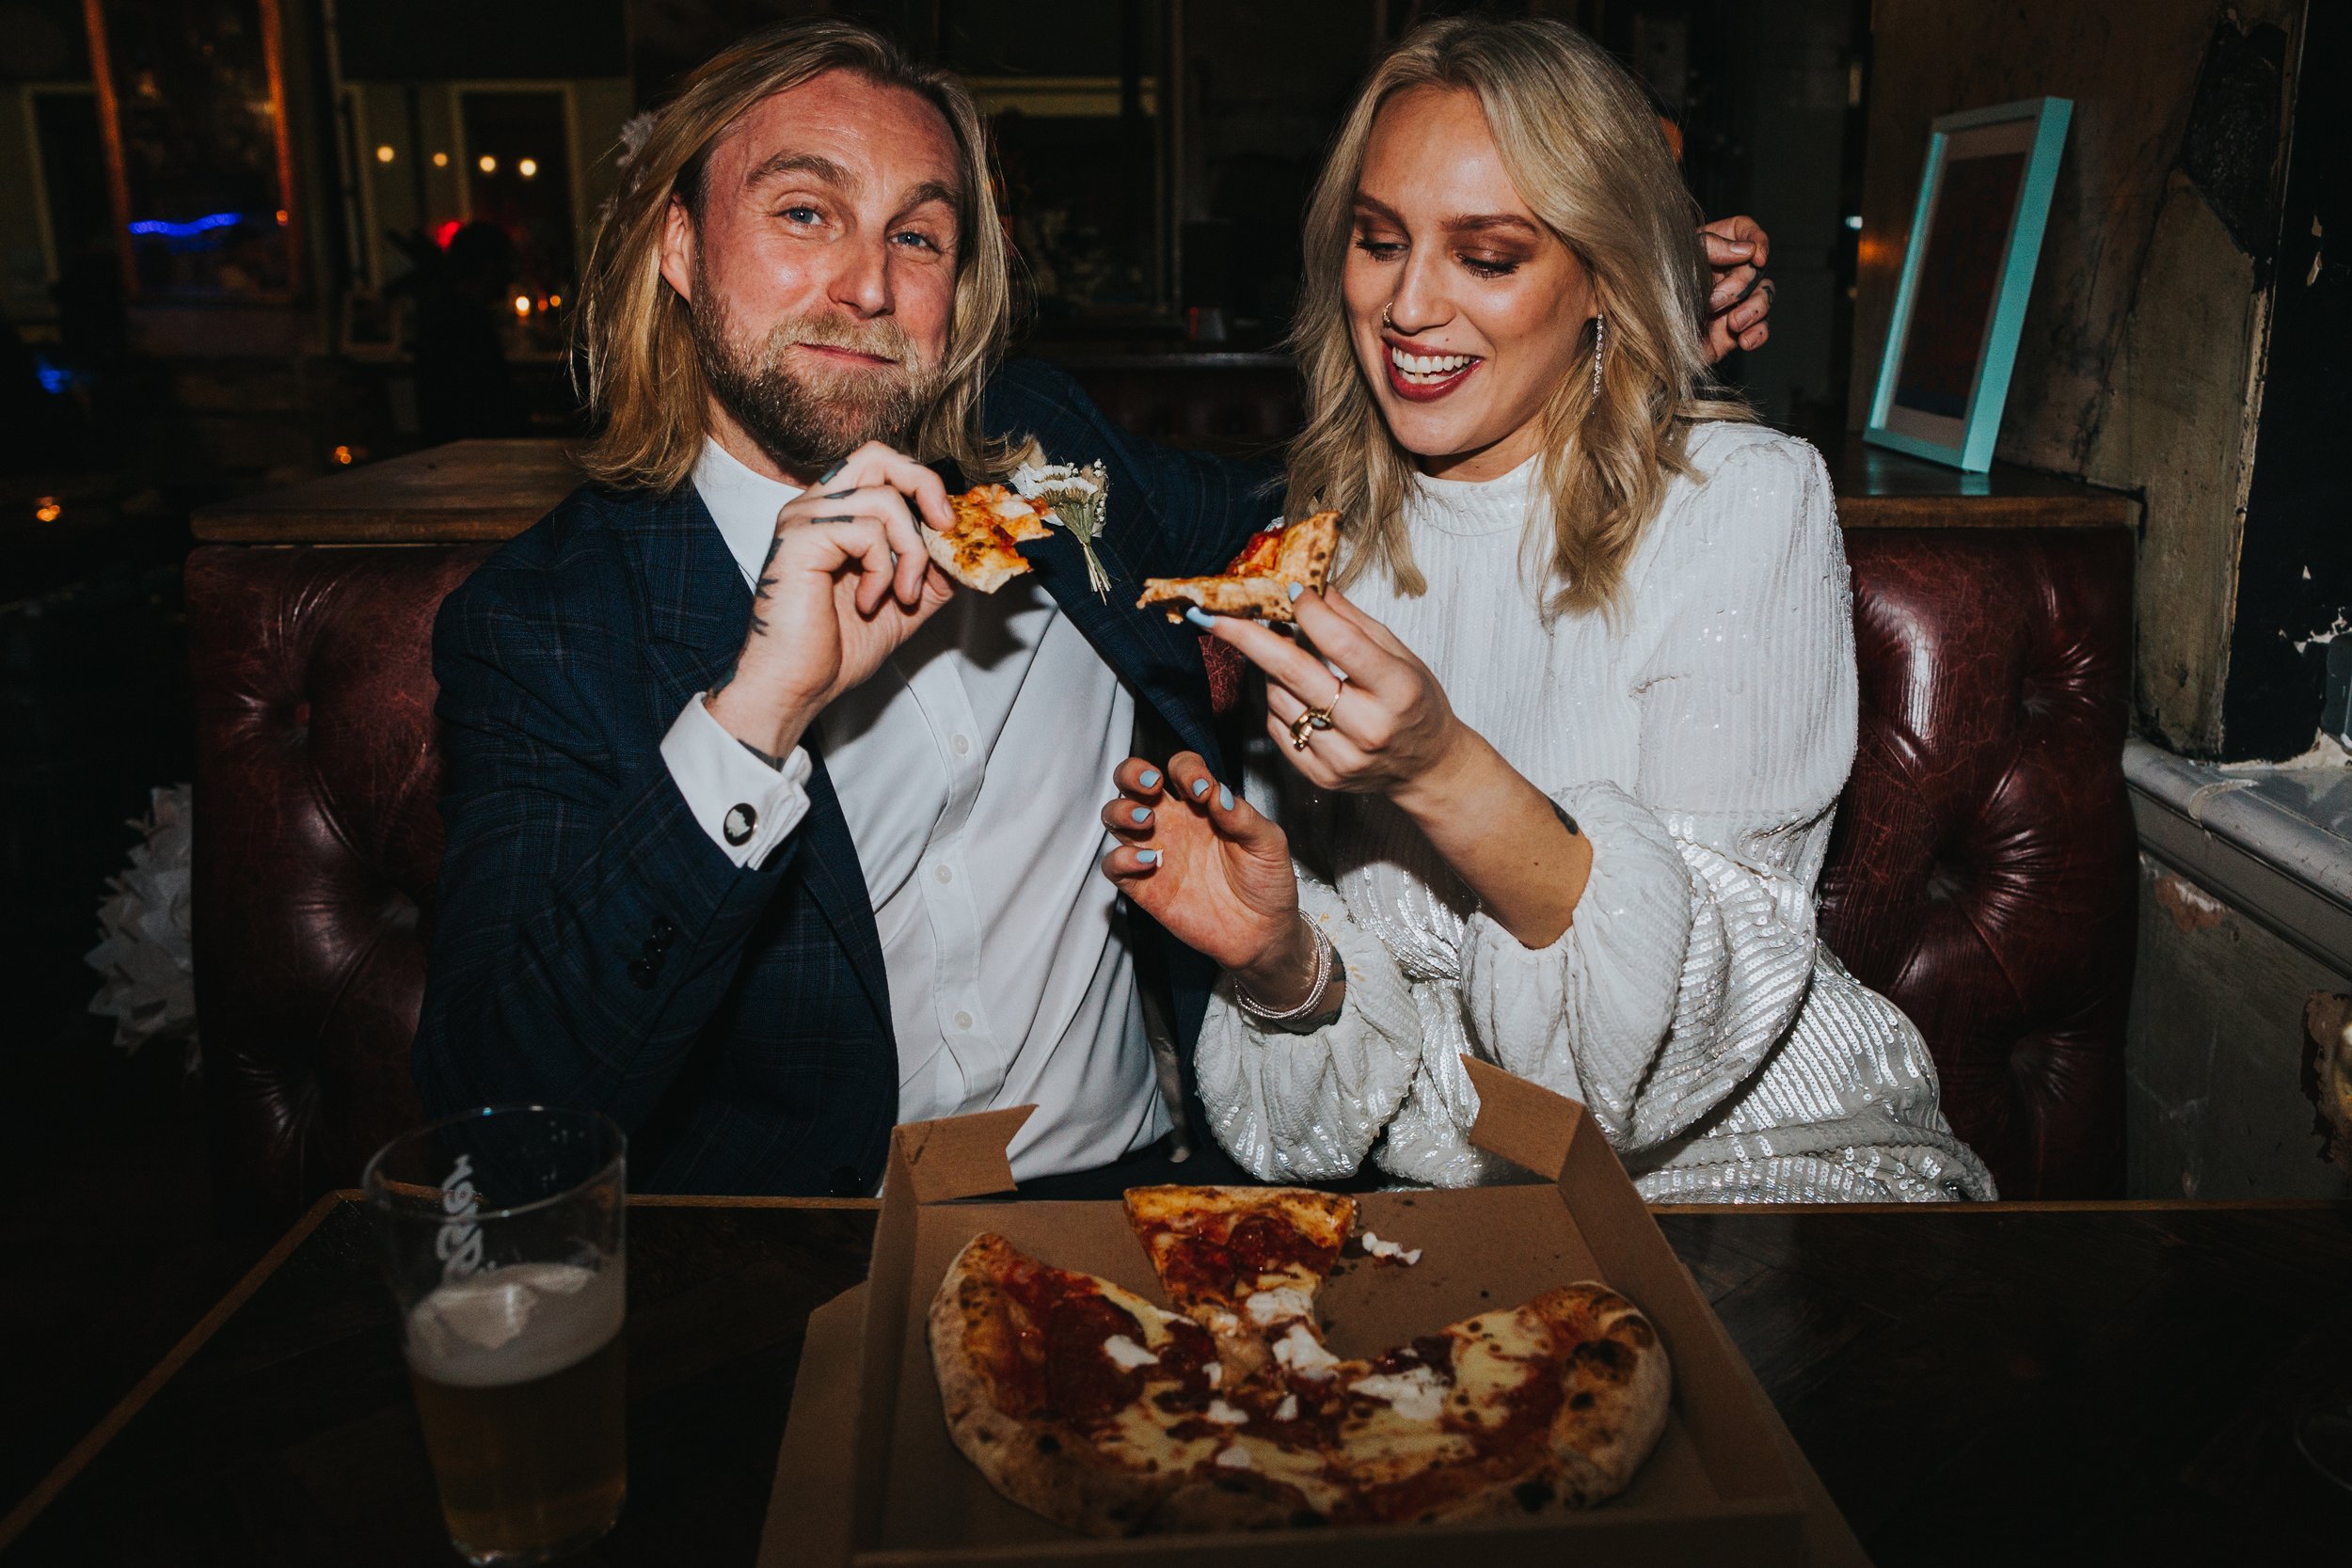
(746, 806)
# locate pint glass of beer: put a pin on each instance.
(501, 1233)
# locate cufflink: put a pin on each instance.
(737, 824)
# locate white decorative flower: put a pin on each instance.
(634, 130)
(147, 979)
(1077, 495)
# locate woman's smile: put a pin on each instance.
(1421, 374)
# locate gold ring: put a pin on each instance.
(1321, 718)
(1302, 729)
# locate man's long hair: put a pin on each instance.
(646, 391)
(1586, 152)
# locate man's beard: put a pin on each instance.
(808, 419)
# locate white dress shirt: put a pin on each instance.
(972, 767)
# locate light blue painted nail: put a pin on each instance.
(1150, 779)
(1198, 616)
(1200, 787)
(1139, 815)
(1296, 589)
(1148, 857)
(1224, 798)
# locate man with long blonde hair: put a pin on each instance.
(761, 837)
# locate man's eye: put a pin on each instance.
(803, 215)
(915, 240)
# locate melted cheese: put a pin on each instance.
(1417, 1394)
(1493, 1355)
(1303, 1353)
(1267, 1308)
(1126, 1354)
(1379, 1248)
(1139, 1437)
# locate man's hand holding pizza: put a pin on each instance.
(846, 580)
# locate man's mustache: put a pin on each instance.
(881, 339)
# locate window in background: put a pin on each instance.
(194, 89)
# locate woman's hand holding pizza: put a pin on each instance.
(1211, 868)
(1386, 728)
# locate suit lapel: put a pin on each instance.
(1159, 662)
(698, 609)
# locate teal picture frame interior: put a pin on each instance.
(1976, 236)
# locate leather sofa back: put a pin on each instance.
(1982, 872)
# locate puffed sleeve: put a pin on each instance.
(1309, 1107)
(1692, 947)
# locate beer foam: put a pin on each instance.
(513, 1324)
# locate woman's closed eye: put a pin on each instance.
(1490, 266)
(1380, 249)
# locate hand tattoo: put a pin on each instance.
(759, 594)
(770, 758)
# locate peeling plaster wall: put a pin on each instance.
(2218, 1100)
(2146, 329)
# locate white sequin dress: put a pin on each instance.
(1700, 738)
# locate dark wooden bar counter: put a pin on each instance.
(471, 491)
(2015, 1384)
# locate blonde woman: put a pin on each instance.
(1567, 748)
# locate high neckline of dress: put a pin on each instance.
(1476, 506)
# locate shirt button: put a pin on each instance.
(963, 1020)
(963, 744)
(945, 874)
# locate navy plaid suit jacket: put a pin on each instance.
(592, 946)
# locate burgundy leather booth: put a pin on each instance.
(1982, 872)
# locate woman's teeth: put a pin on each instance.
(1422, 368)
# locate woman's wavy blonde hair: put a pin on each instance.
(1585, 151)
(644, 383)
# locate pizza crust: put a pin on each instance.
(1263, 593)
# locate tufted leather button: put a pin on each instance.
(643, 971)
(847, 1182)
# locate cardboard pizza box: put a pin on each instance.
(867, 1476)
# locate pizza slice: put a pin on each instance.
(977, 550)
(1257, 582)
(1247, 1262)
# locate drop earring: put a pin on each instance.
(1600, 329)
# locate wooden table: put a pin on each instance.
(2014, 1383)
(471, 491)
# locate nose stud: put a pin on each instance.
(1384, 319)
